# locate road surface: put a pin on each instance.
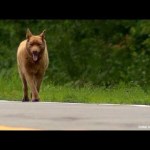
(16, 115)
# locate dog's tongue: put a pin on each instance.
(35, 57)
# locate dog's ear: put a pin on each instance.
(43, 34)
(28, 34)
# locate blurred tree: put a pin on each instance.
(99, 52)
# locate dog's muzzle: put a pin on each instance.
(35, 56)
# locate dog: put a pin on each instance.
(32, 62)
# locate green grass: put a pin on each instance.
(11, 89)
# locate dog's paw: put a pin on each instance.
(35, 100)
(25, 100)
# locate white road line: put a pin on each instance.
(104, 104)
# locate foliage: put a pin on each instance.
(81, 52)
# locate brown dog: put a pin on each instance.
(32, 60)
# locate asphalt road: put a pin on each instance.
(72, 116)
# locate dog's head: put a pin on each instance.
(35, 45)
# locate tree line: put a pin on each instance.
(96, 52)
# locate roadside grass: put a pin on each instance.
(121, 94)
(11, 89)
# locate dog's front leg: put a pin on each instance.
(32, 85)
(38, 80)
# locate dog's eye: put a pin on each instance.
(30, 44)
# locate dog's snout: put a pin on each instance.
(35, 52)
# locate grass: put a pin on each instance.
(11, 89)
